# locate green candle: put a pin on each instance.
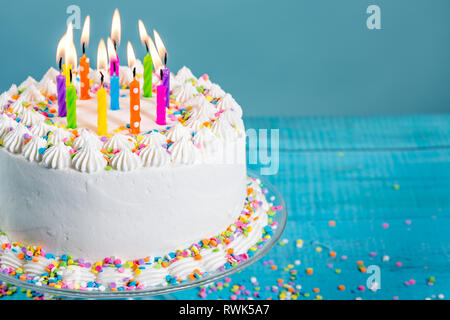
(71, 104)
(148, 72)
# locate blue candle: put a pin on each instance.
(114, 91)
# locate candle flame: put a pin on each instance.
(69, 33)
(131, 55)
(116, 28)
(157, 63)
(160, 45)
(71, 54)
(86, 31)
(102, 56)
(111, 51)
(142, 32)
(60, 50)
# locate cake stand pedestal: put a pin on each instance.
(163, 292)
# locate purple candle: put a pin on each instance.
(166, 83)
(61, 89)
(161, 97)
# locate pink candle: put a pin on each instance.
(114, 63)
(161, 101)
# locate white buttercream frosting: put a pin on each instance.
(183, 151)
(76, 275)
(57, 156)
(32, 95)
(51, 75)
(185, 74)
(13, 90)
(182, 268)
(216, 91)
(30, 81)
(32, 148)
(185, 92)
(38, 267)
(228, 102)
(111, 275)
(4, 99)
(48, 87)
(125, 160)
(120, 141)
(151, 276)
(223, 129)
(177, 132)
(18, 105)
(233, 118)
(213, 259)
(125, 76)
(206, 84)
(14, 140)
(31, 117)
(6, 124)
(40, 129)
(87, 137)
(9, 259)
(89, 159)
(206, 141)
(200, 103)
(154, 137)
(154, 156)
(58, 135)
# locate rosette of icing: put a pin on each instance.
(177, 131)
(18, 105)
(233, 118)
(10, 259)
(125, 76)
(6, 124)
(213, 259)
(205, 83)
(4, 99)
(174, 83)
(182, 268)
(57, 156)
(228, 102)
(89, 159)
(185, 92)
(216, 91)
(152, 276)
(125, 160)
(223, 129)
(120, 141)
(185, 74)
(87, 137)
(199, 118)
(183, 151)
(13, 90)
(110, 275)
(50, 75)
(200, 103)
(76, 275)
(48, 87)
(31, 117)
(37, 266)
(58, 135)
(40, 129)
(32, 95)
(154, 138)
(30, 81)
(206, 140)
(15, 140)
(31, 149)
(154, 156)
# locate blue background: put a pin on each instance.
(276, 58)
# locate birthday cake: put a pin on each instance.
(69, 198)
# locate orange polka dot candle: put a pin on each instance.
(135, 94)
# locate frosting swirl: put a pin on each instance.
(87, 137)
(57, 156)
(58, 135)
(14, 140)
(154, 156)
(223, 129)
(40, 129)
(32, 95)
(31, 149)
(18, 105)
(216, 91)
(154, 138)
(206, 141)
(125, 160)
(30, 81)
(177, 132)
(182, 268)
(89, 159)
(121, 142)
(183, 151)
(152, 276)
(185, 92)
(228, 102)
(31, 117)
(185, 74)
(6, 124)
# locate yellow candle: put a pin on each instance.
(102, 107)
(66, 71)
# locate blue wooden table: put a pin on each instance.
(360, 192)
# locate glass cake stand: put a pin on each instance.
(163, 291)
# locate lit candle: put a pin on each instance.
(135, 103)
(84, 62)
(71, 94)
(115, 88)
(161, 104)
(148, 62)
(61, 79)
(67, 67)
(116, 30)
(102, 107)
(165, 78)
